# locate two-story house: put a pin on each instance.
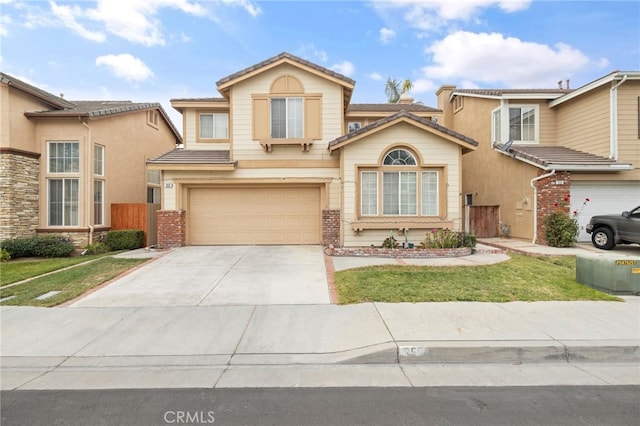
(540, 147)
(64, 163)
(283, 157)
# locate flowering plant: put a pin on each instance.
(561, 229)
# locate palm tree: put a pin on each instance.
(394, 89)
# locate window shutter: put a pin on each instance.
(313, 118)
(260, 118)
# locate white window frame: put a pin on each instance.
(353, 126)
(98, 160)
(70, 165)
(503, 126)
(371, 198)
(98, 203)
(73, 219)
(290, 118)
(217, 132)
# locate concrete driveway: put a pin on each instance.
(221, 275)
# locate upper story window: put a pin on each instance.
(354, 126)
(64, 157)
(287, 118)
(98, 160)
(153, 118)
(521, 125)
(399, 157)
(213, 125)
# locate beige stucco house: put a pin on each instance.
(283, 157)
(538, 147)
(63, 163)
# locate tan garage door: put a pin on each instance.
(256, 215)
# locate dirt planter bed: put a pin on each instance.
(414, 253)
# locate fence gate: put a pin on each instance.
(136, 216)
(484, 221)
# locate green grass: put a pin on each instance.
(522, 278)
(71, 282)
(18, 270)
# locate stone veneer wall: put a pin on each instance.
(551, 190)
(331, 227)
(79, 238)
(19, 186)
(172, 226)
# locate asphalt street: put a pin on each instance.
(522, 406)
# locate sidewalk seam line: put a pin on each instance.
(217, 283)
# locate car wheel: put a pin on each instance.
(602, 238)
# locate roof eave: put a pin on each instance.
(168, 165)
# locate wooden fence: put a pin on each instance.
(136, 216)
(484, 221)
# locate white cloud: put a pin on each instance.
(437, 14)
(344, 68)
(496, 59)
(386, 34)
(67, 16)
(250, 7)
(125, 66)
(311, 52)
(5, 21)
(374, 76)
(423, 85)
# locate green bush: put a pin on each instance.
(561, 230)
(445, 238)
(127, 239)
(49, 246)
(4, 256)
(96, 248)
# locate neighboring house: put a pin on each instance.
(63, 163)
(284, 158)
(539, 146)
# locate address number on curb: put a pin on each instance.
(412, 351)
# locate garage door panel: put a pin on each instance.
(254, 215)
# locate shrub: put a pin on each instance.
(127, 239)
(445, 238)
(97, 248)
(52, 246)
(390, 241)
(561, 230)
(49, 246)
(4, 256)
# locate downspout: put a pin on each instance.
(535, 202)
(613, 114)
(88, 186)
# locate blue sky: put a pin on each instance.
(156, 50)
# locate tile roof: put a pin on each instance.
(502, 92)
(193, 156)
(285, 55)
(387, 107)
(218, 99)
(401, 114)
(562, 158)
(96, 108)
(46, 97)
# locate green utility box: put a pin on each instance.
(609, 273)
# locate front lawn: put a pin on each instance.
(70, 282)
(522, 278)
(21, 269)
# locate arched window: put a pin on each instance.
(399, 157)
(399, 187)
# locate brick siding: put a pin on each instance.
(171, 228)
(330, 228)
(551, 190)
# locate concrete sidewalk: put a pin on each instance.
(229, 345)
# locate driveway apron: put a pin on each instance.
(221, 275)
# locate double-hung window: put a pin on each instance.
(287, 118)
(63, 191)
(214, 125)
(401, 186)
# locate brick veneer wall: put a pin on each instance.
(551, 190)
(171, 228)
(19, 186)
(330, 227)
